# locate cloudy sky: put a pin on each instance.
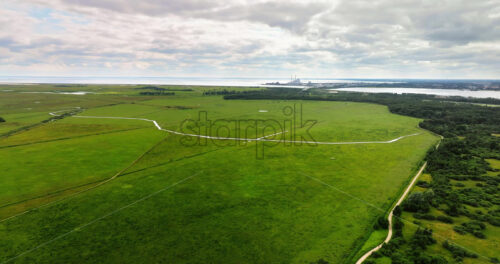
(240, 38)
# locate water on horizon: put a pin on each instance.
(441, 92)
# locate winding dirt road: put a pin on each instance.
(264, 138)
(389, 218)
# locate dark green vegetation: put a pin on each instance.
(226, 92)
(460, 203)
(156, 88)
(157, 93)
(133, 194)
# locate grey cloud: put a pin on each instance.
(149, 7)
(455, 22)
(289, 15)
(292, 15)
(390, 36)
(459, 27)
(16, 46)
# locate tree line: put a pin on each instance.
(156, 88)
(157, 93)
(226, 92)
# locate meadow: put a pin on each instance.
(100, 190)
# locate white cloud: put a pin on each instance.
(381, 38)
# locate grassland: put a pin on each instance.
(208, 202)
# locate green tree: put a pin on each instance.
(418, 202)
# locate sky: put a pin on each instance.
(239, 38)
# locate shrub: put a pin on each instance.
(388, 249)
(424, 216)
(418, 202)
(381, 223)
(376, 254)
(422, 238)
(460, 229)
(320, 261)
(397, 211)
(2, 120)
(385, 250)
(423, 184)
(429, 259)
(398, 258)
(494, 220)
(444, 219)
(479, 234)
(398, 226)
(474, 225)
(458, 252)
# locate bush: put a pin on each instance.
(444, 219)
(458, 252)
(398, 226)
(2, 120)
(474, 226)
(494, 220)
(479, 234)
(428, 259)
(397, 211)
(382, 223)
(388, 248)
(418, 202)
(398, 258)
(376, 254)
(460, 229)
(424, 216)
(320, 261)
(422, 238)
(423, 184)
(385, 250)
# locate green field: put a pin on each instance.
(120, 190)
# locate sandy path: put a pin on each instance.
(264, 138)
(389, 218)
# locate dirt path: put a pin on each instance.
(389, 218)
(264, 138)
